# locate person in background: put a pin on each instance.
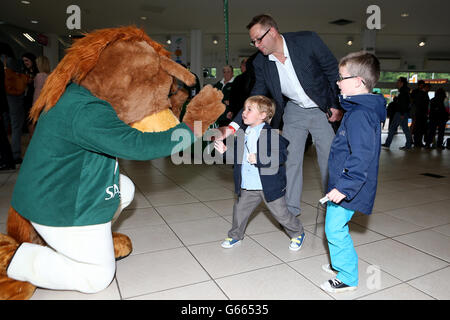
(15, 115)
(30, 69)
(419, 103)
(225, 86)
(242, 86)
(438, 119)
(43, 66)
(6, 157)
(401, 116)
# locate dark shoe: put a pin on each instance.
(385, 146)
(335, 286)
(405, 148)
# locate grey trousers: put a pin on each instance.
(17, 118)
(248, 201)
(298, 122)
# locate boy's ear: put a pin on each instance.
(263, 115)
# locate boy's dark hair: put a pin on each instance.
(263, 104)
(364, 65)
(264, 20)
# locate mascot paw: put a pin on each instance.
(122, 245)
(11, 289)
(204, 109)
(15, 290)
(8, 247)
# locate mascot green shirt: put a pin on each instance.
(73, 179)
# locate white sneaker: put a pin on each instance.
(229, 243)
(336, 286)
(327, 268)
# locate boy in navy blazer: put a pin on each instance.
(259, 172)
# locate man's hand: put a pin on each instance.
(335, 196)
(336, 115)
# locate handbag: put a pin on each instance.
(15, 83)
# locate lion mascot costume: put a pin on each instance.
(113, 95)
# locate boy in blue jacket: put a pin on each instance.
(352, 164)
(259, 172)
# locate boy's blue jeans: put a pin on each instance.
(342, 252)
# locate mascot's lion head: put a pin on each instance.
(126, 68)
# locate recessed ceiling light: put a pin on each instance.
(143, 18)
(25, 2)
(34, 21)
(26, 35)
(404, 15)
(422, 43)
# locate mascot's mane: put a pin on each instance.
(81, 58)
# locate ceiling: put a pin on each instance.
(398, 37)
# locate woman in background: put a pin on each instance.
(43, 66)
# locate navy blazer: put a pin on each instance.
(316, 69)
(270, 159)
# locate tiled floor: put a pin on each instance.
(182, 212)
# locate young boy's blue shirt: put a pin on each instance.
(355, 152)
(271, 154)
(250, 173)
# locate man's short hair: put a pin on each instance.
(263, 104)
(403, 80)
(364, 65)
(264, 20)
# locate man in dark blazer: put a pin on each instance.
(299, 72)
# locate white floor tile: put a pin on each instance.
(278, 243)
(201, 291)
(398, 259)
(222, 207)
(170, 198)
(436, 284)
(134, 218)
(428, 241)
(156, 271)
(445, 229)
(200, 231)
(385, 224)
(152, 238)
(186, 212)
(425, 215)
(284, 284)
(399, 292)
(220, 262)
